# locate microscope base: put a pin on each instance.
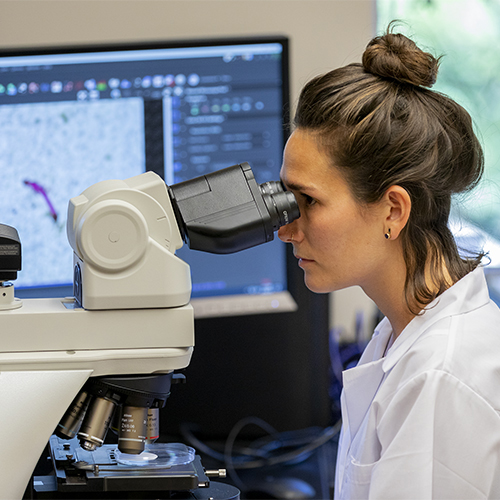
(45, 488)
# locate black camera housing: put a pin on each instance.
(227, 211)
(10, 253)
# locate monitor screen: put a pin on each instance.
(70, 117)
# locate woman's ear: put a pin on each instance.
(398, 205)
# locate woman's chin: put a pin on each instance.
(316, 286)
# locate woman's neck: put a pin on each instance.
(387, 290)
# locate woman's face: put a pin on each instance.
(338, 242)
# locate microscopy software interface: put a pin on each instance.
(68, 120)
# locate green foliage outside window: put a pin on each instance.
(467, 34)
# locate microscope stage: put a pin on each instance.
(78, 472)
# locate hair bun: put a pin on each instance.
(397, 57)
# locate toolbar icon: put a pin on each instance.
(56, 87)
(90, 84)
(158, 81)
(193, 79)
(33, 88)
(114, 83)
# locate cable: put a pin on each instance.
(228, 449)
(264, 452)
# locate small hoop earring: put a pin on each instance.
(388, 234)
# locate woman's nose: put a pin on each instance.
(285, 233)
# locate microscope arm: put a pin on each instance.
(32, 402)
(56, 334)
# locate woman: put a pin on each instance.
(373, 161)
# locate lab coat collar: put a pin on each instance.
(361, 383)
(467, 294)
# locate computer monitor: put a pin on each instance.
(70, 117)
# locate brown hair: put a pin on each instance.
(382, 127)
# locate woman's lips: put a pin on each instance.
(303, 261)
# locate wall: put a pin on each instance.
(324, 34)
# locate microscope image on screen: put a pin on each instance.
(104, 360)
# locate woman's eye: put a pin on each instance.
(308, 200)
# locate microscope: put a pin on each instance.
(72, 368)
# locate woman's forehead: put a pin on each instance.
(304, 163)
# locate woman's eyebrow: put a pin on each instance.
(292, 186)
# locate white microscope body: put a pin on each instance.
(131, 313)
(136, 317)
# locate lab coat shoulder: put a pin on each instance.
(458, 334)
(464, 346)
(474, 352)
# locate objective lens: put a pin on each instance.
(73, 418)
(281, 204)
(153, 425)
(133, 429)
(96, 423)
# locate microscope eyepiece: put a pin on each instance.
(281, 204)
(227, 211)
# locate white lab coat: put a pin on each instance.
(423, 422)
